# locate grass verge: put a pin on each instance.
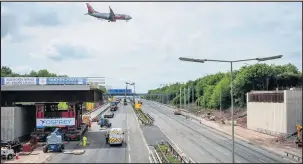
(140, 114)
(169, 156)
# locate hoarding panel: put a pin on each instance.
(18, 81)
(55, 122)
(66, 81)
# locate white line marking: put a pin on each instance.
(244, 152)
(129, 159)
(128, 138)
(221, 150)
(238, 161)
(262, 161)
(200, 152)
(128, 148)
(213, 160)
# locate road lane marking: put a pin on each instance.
(128, 138)
(238, 161)
(213, 161)
(221, 151)
(262, 161)
(200, 151)
(129, 159)
(128, 148)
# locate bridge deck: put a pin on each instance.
(45, 88)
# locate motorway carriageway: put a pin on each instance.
(203, 144)
(134, 149)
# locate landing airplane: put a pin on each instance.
(110, 17)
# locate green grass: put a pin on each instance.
(171, 158)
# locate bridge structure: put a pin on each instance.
(59, 89)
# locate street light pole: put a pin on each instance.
(232, 111)
(231, 86)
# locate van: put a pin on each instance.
(115, 136)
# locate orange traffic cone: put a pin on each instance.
(17, 156)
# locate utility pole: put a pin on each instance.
(220, 104)
(184, 98)
(180, 98)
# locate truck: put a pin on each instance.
(113, 106)
(9, 149)
(54, 142)
(115, 136)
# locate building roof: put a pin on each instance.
(45, 88)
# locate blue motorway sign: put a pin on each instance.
(119, 91)
(66, 81)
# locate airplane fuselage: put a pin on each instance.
(107, 16)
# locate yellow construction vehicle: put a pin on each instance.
(299, 129)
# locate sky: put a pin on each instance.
(57, 36)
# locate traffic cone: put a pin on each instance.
(17, 156)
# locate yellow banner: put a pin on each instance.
(138, 106)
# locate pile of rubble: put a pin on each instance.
(225, 117)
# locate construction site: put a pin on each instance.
(271, 118)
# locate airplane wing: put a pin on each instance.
(111, 13)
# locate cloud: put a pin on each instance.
(44, 19)
(146, 49)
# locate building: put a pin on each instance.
(274, 112)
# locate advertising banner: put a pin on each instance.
(66, 81)
(18, 81)
(55, 122)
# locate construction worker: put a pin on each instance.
(89, 124)
(107, 137)
(84, 141)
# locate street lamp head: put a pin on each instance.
(270, 58)
(192, 60)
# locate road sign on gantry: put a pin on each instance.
(119, 91)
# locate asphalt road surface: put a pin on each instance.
(203, 144)
(134, 149)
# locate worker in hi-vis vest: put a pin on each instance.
(84, 141)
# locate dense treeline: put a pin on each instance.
(7, 72)
(209, 89)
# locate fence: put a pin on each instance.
(180, 155)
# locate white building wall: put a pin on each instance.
(268, 118)
(276, 118)
(294, 109)
(16, 122)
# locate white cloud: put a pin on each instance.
(146, 49)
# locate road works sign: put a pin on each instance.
(55, 122)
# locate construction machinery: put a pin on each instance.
(298, 133)
(54, 142)
(40, 134)
(104, 122)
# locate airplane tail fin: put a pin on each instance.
(90, 9)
